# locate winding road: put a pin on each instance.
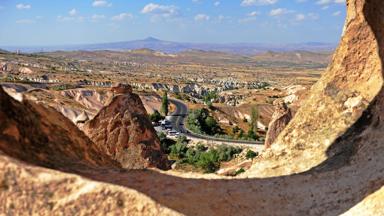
(177, 119)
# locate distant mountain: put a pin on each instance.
(3, 51)
(176, 47)
(299, 57)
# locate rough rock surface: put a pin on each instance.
(280, 119)
(40, 135)
(349, 91)
(328, 161)
(123, 131)
(120, 88)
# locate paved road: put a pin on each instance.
(178, 116)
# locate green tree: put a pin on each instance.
(251, 154)
(200, 121)
(155, 116)
(235, 130)
(211, 125)
(254, 119)
(241, 134)
(251, 134)
(165, 104)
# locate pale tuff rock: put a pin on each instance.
(82, 118)
(280, 119)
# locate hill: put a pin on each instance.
(175, 47)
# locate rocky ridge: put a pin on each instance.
(123, 130)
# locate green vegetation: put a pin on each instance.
(209, 97)
(254, 116)
(156, 116)
(179, 149)
(165, 104)
(63, 87)
(241, 170)
(182, 96)
(165, 143)
(252, 133)
(251, 154)
(201, 157)
(199, 121)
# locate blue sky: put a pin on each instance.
(61, 22)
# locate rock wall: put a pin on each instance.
(280, 119)
(123, 130)
(352, 83)
(40, 135)
(328, 161)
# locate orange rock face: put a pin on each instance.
(123, 131)
(120, 88)
(280, 119)
(42, 136)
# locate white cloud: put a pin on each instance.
(300, 17)
(313, 16)
(25, 21)
(160, 10)
(101, 3)
(278, 12)
(122, 16)
(325, 7)
(216, 3)
(253, 14)
(97, 17)
(23, 6)
(202, 17)
(72, 16)
(337, 13)
(327, 2)
(72, 12)
(323, 2)
(246, 3)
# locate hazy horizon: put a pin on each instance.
(53, 23)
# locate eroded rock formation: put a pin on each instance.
(123, 131)
(40, 135)
(120, 88)
(280, 119)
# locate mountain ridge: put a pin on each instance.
(175, 47)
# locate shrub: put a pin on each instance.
(251, 134)
(226, 153)
(235, 130)
(201, 157)
(199, 121)
(178, 150)
(251, 154)
(209, 161)
(241, 170)
(201, 147)
(165, 143)
(156, 116)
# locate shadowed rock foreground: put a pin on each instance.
(328, 161)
